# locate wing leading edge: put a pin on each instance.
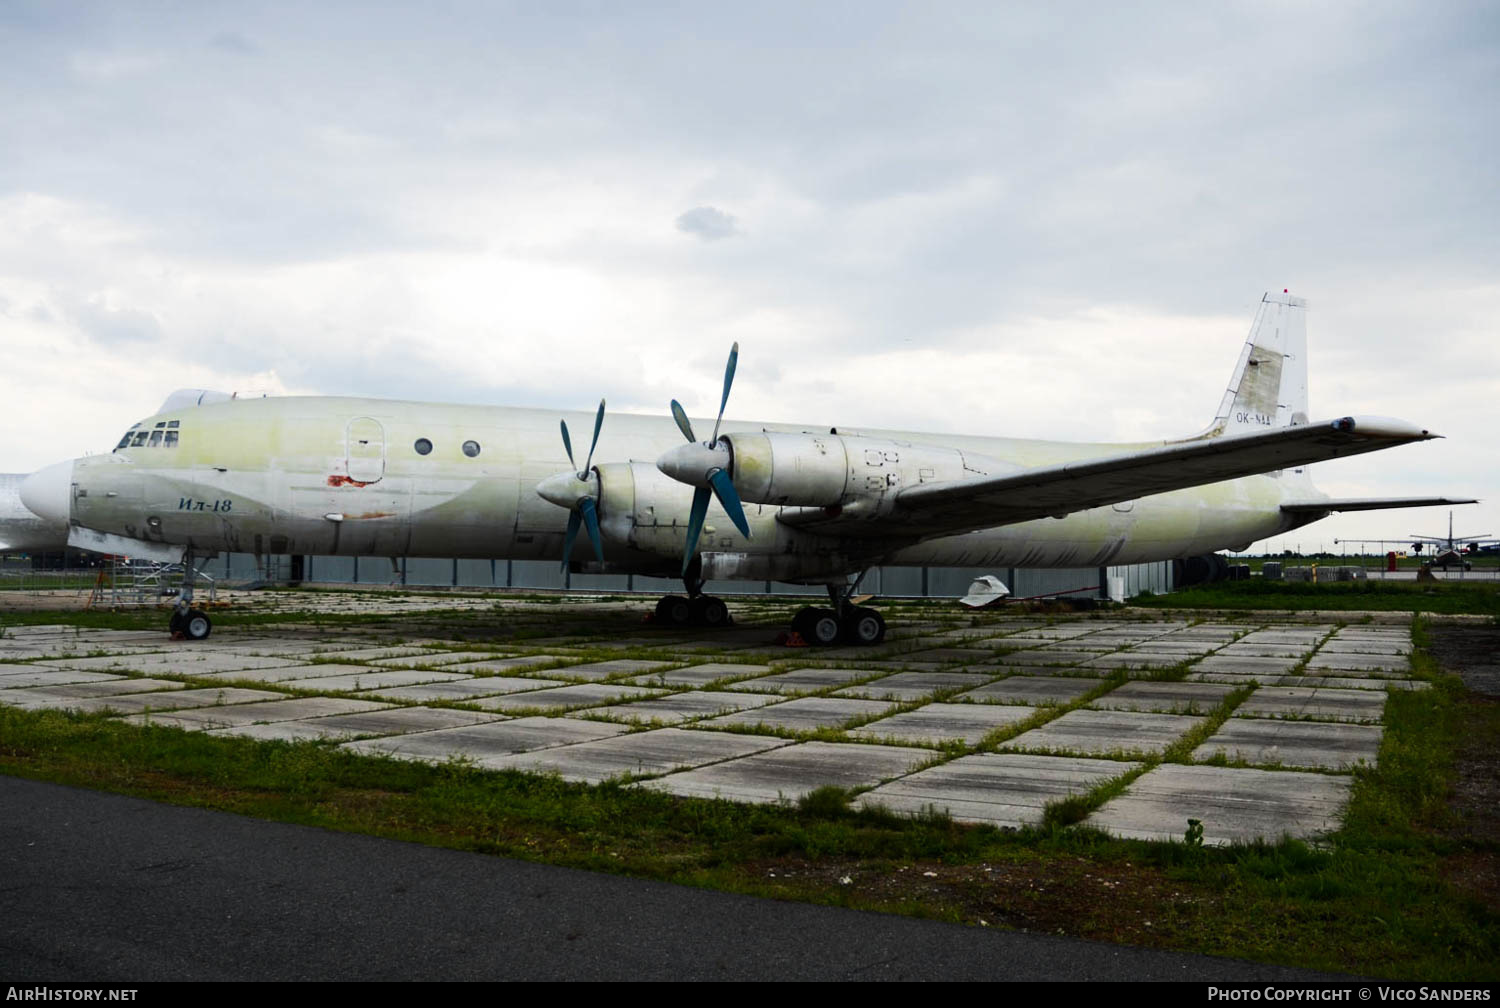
(933, 509)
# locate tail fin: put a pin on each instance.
(1269, 386)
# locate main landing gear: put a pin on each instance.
(845, 623)
(697, 609)
(187, 622)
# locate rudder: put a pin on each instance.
(1269, 385)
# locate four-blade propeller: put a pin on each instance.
(578, 492)
(705, 465)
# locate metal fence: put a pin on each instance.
(240, 569)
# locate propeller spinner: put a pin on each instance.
(578, 492)
(705, 465)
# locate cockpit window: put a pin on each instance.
(164, 434)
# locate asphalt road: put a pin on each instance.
(99, 887)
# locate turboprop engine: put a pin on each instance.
(828, 471)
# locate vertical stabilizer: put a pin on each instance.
(1269, 385)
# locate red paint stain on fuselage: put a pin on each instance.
(337, 481)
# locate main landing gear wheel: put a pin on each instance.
(823, 627)
(700, 610)
(802, 622)
(864, 626)
(674, 610)
(709, 611)
(819, 627)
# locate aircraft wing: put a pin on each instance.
(950, 508)
(1311, 506)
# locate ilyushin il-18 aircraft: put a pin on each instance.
(816, 505)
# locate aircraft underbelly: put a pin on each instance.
(1153, 529)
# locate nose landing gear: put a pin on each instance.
(188, 622)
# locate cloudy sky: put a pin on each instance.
(1027, 220)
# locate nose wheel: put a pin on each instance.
(189, 624)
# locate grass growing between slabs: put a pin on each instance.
(1445, 597)
(1374, 901)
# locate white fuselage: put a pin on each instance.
(335, 476)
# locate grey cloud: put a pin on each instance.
(708, 223)
(108, 325)
(232, 42)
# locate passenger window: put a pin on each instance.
(471, 448)
(423, 446)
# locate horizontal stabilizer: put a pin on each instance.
(1369, 503)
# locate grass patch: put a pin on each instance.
(1446, 597)
(1375, 900)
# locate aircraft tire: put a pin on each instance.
(674, 610)
(196, 625)
(864, 626)
(710, 611)
(174, 624)
(823, 628)
(802, 622)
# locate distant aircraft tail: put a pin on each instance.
(1269, 385)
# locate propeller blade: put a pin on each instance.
(591, 522)
(598, 423)
(734, 357)
(567, 442)
(573, 522)
(575, 491)
(695, 525)
(729, 500)
(680, 416)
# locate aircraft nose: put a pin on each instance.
(48, 493)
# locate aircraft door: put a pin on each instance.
(364, 446)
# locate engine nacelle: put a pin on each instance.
(834, 470)
(807, 470)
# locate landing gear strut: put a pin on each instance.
(845, 623)
(188, 623)
(697, 609)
